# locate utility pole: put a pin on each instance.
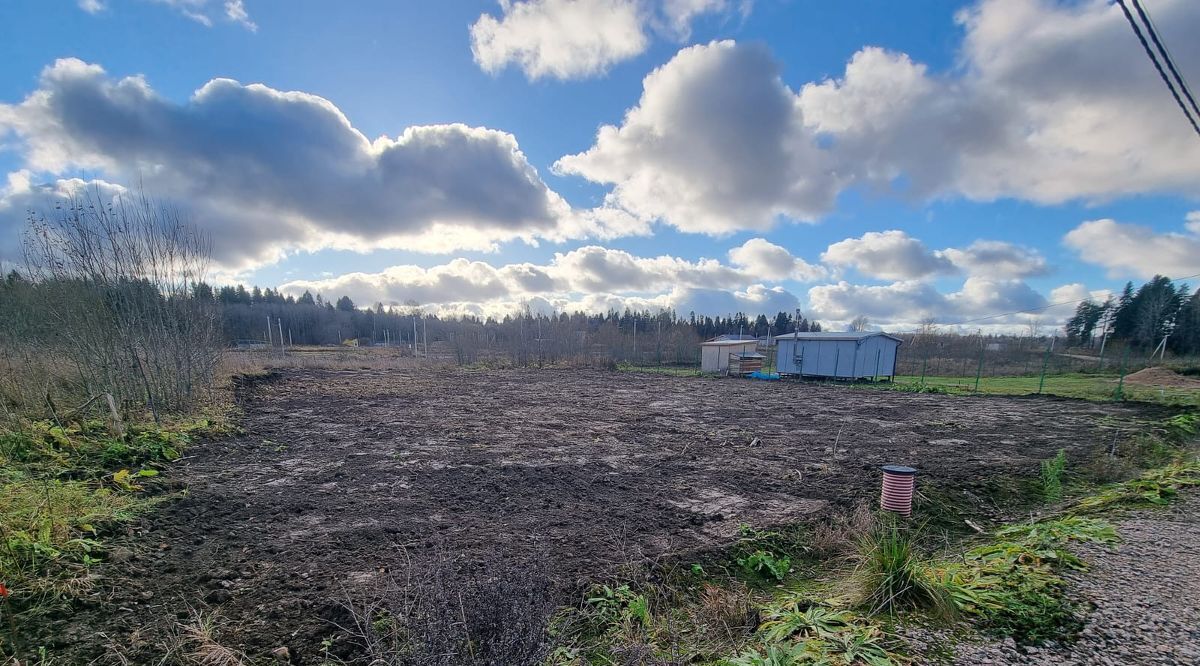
(1104, 336)
(1161, 349)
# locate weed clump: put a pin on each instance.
(892, 576)
(1052, 474)
(797, 631)
(1011, 587)
(1156, 487)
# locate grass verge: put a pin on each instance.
(64, 489)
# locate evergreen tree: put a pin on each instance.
(1125, 318)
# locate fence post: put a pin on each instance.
(924, 363)
(1119, 394)
(979, 370)
(1045, 361)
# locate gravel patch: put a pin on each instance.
(1144, 594)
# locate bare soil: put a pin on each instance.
(343, 476)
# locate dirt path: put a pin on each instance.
(344, 477)
(1145, 594)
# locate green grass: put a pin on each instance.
(62, 490)
(1086, 386)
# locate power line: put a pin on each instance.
(1152, 29)
(1137, 30)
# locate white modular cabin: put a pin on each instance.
(853, 355)
(715, 354)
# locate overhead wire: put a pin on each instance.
(1137, 30)
(1152, 29)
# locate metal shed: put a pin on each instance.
(715, 354)
(855, 355)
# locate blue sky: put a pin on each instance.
(905, 162)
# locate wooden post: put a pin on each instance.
(924, 364)
(279, 323)
(118, 426)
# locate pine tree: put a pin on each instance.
(1125, 317)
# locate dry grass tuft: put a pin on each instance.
(843, 532)
(203, 647)
(725, 611)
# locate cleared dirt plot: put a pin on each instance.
(344, 477)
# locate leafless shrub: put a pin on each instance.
(456, 613)
(106, 304)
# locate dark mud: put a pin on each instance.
(343, 475)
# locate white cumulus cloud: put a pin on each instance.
(570, 39)
(1134, 249)
(1053, 102)
(888, 255)
(266, 171)
(773, 262)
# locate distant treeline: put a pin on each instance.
(313, 320)
(1142, 319)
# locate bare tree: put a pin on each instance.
(859, 323)
(116, 281)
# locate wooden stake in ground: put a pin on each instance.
(117, 425)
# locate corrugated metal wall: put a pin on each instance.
(846, 359)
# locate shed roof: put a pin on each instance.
(729, 343)
(841, 335)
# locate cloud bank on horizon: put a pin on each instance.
(1040, 109)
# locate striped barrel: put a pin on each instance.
(898, 484)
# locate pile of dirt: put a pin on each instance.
(1163, 377)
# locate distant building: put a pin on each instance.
(853, 355)
(716, 354)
